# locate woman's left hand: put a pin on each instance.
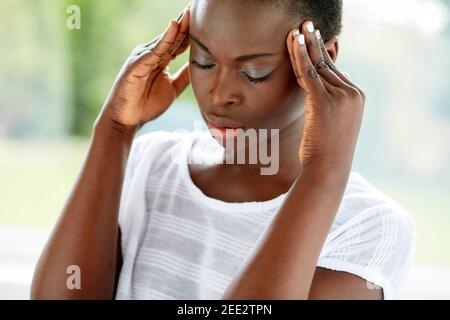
(334, 105)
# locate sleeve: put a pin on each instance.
(376, 244)
(144, 150)
(135, 156)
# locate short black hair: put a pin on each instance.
(325, 14)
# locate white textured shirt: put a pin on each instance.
(178, 243)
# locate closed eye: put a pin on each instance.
(249, 78)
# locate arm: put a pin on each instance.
(284, 264)
(338, 285)
(86, 234)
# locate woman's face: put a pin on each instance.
(240, 69)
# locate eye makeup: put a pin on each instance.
(252, 74)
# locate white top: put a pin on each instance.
(178, 243)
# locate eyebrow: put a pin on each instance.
(238, 59)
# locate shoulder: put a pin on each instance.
(151, 152)
(374, 214)
(372, 236)
(364, 204)
(158, 139)
(157, 145)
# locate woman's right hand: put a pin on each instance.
(144, 89)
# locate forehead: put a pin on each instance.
(238, 27)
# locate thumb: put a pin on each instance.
(181, 80)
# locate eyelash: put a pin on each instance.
(253, 80)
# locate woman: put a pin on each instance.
(145, 222)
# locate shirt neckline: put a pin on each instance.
(217, 203)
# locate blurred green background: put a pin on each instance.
(54, 80)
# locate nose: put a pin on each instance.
(223, 92)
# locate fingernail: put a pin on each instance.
(301, 39)
(319, 36)
(299, 36)
(310, 27)
(180, 16)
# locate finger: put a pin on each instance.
(153, 56)
(183, 46)
(164, 49)
(147, 45)
(309, 78)
(325, 54)
(180, 44)
(323, 67)
(290, 47)
(181, 79)
(312, 42)
(182, 32)
(181, 15)
(331, 64)
(339, 79)
(142, 48)
(342, 75)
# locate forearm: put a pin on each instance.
(283, 265)
(87, 230)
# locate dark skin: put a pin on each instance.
(87, 232)
(231, 95)
(275, 103)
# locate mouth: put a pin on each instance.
(225, 126)
(222, 123)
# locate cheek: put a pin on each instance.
(272, 105)
(198, 82)
(193, 76)
(280, 103)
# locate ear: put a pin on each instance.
(332, 46)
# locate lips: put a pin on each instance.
(222, 122)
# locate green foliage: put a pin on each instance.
(54, 80)
(32, 74)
